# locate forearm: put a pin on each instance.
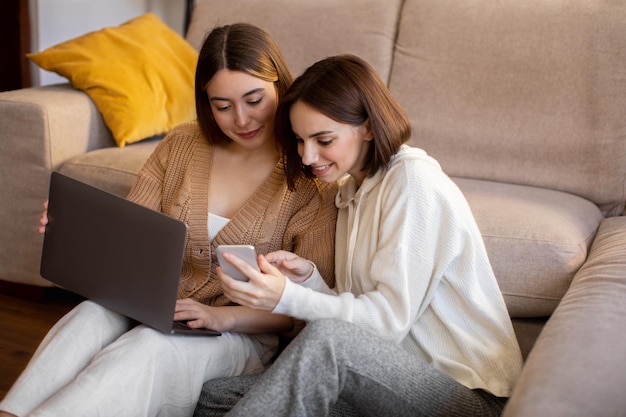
(247, 320)
(371, 310)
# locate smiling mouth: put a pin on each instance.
(248, 135)
(320, 169)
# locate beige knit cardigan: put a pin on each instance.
(175, 180)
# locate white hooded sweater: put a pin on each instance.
(411, 266)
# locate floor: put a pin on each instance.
(23, 324)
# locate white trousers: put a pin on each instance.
(94, 362)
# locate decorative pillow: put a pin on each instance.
(140, 75)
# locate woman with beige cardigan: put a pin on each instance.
(224, 177)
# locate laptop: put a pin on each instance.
(117, 253)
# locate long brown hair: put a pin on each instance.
(237, 47)
(348, 90)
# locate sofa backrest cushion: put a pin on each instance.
(307, 31)
(528, 92)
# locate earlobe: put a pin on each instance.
(368, 133)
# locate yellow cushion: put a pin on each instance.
(140, 75)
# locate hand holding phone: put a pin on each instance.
(245, 252)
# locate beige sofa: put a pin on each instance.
(522, 101)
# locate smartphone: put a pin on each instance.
(245, 252)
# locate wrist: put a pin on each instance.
(310, 272)
(300, 277)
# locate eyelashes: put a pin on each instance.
(229, 106)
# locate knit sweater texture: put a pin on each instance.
(175, 180)
(412, 267)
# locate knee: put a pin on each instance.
(153, 344)
(90, 310)
(327, 329)
(141, 344)
(86, 315)
(146, 336)
(326, 333)
(324, 346)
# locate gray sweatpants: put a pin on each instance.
(339, 369)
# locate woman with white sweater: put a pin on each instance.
(422, 326)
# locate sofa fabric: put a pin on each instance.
(121, 68)
(307, 31)
(581, 352)
(40, 128)
(113, 169)
(523, 92)
(536, 238)
(522, 102)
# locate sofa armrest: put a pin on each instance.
(576, 367)
(40, 129)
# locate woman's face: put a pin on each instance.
(332, 149)
(243, 106)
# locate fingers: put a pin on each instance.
(43, 218)
(232, 288)
(240, 292)
(243, 266)
(184, 304)
(275, 257)
(296, 268)
(191, 312)
(267, 267)
(185, 310)
(278, 256)
(261, 292)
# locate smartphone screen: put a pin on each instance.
(245, 252)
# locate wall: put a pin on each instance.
(55, 21)
(15, 35)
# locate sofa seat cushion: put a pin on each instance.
(536, 238)
(111, 169)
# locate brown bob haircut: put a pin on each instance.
(236, 47)
(348, 90)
